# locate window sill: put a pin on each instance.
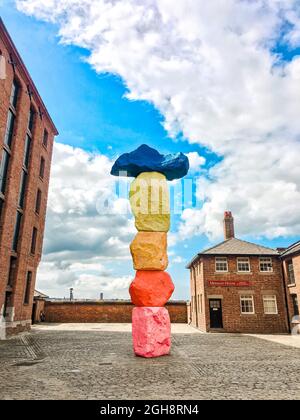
(242, 273)
(291, 285)
(271, 314)
(266, 273)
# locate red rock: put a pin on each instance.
(151, 288)
(151, 332)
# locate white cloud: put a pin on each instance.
(196, 161)
(85, 284)
(82, 246)
(208, 67)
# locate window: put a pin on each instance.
(247, 305)
(45, 139)
(12, 271)
(4, 171)
(28, 288)
(243, 265)
(31, 119)
(42, 168)
(38, 201)
(9, 129)
(290, 272)
(295, 305)
(27, 151)
(22, 189)
(266, 265)
(17, 232)
(14, 94)
(270, 305)
(221, 264)
(33, 241)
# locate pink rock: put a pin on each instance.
(151, 331)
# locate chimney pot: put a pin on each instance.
(228, 225)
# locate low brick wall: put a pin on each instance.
(107, 311)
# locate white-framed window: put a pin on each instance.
(270, 305)
(265, 265)
(243, 265)
(247, 305)
(291, 272)
(221, 264)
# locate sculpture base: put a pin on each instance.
(151, 331)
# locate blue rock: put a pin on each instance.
(146, 159)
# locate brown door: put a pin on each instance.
(216, 316)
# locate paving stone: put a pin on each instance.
(101, 365)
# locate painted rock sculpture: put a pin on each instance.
(151, 288)
(146, 159)
(151, 331)
(150, 203)
(149, 251)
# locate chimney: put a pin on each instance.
(228, 225)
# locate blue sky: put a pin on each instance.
(91, 113)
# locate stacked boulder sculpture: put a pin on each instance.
(150, 203)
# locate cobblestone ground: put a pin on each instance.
(101, 365)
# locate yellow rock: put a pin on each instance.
(149, 251)
(150, 202)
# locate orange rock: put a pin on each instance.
(151, 288)
(149, 251)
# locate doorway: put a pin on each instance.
(216, 316)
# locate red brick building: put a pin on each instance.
(26, 141)
(291, 271)
(238, 287)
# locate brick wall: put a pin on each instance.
(260, 284)
(292, 289)
(19, 314)
(110, 312)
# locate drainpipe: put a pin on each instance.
(285, 296)
(196, 297)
